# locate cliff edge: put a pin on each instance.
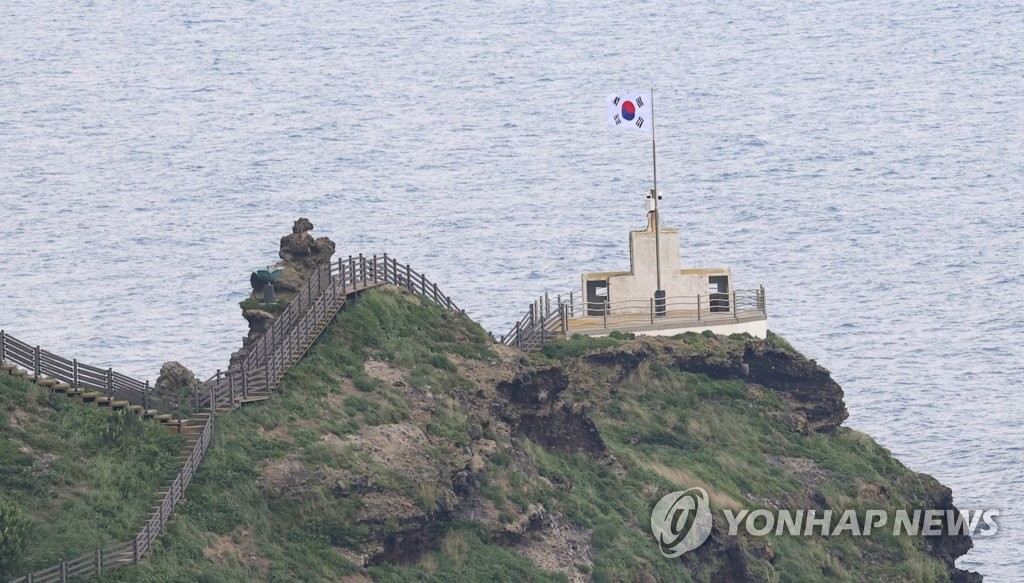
(409, 446)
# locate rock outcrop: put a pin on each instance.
(176, 382)
(301, 255)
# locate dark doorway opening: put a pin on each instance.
(597, 297)
(718, 293)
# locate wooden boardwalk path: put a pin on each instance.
(259, 373)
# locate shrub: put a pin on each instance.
(14, 525)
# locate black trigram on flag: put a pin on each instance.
(629, 111)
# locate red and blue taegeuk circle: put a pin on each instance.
(628, 110)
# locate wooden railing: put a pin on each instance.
(129, 552)
(302, 321)
(545, 320)
(42, 363)
(268, 359)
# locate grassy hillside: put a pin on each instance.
(72, 478)
(408, 447)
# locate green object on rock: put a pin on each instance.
(269, 275)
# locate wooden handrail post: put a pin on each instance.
(373, 268)
(245, 385)
(519, 337)
(63, 571)
(231, 388)
(605, 312)
(352, 269)
(735, 311)
(216, 387)
(423, 284)
(408, 277)
(74, 373)
(362, 267)
(448, 301)
(698, 307)
(36, 364)
(3, 346)
(135, 550)
(99, 561)
(436, 294)
(386, 268)
(652, 311)
(145, 398)
(760, 299)
(562, 309)
(110, 382)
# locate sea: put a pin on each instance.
(862, 160)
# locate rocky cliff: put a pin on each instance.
(407, 445)
(301, 254)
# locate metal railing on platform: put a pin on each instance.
(545, 320)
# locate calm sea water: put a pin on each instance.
(862, 160)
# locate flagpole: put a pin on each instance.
(654, 194)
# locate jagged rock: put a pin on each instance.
(175, 377)
(259, 320)
(177, 380)
(300, 255)
(301, 249)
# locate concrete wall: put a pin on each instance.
(638, 285)
(756, 328)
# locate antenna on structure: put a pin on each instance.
(659, 293)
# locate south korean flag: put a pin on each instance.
(630, 111)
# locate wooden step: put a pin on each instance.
(150, 413)
(90, 396)
(136, 409)
(61, 388)
(119, 405)
(164, 417)
(46, 382)
(74, 392)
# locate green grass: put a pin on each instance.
(275, 307)
(284, 494)
(84, 477)
(297, 524)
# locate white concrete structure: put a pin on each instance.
(688, 299)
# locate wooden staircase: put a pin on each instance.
(317, 303)
(96, 399)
